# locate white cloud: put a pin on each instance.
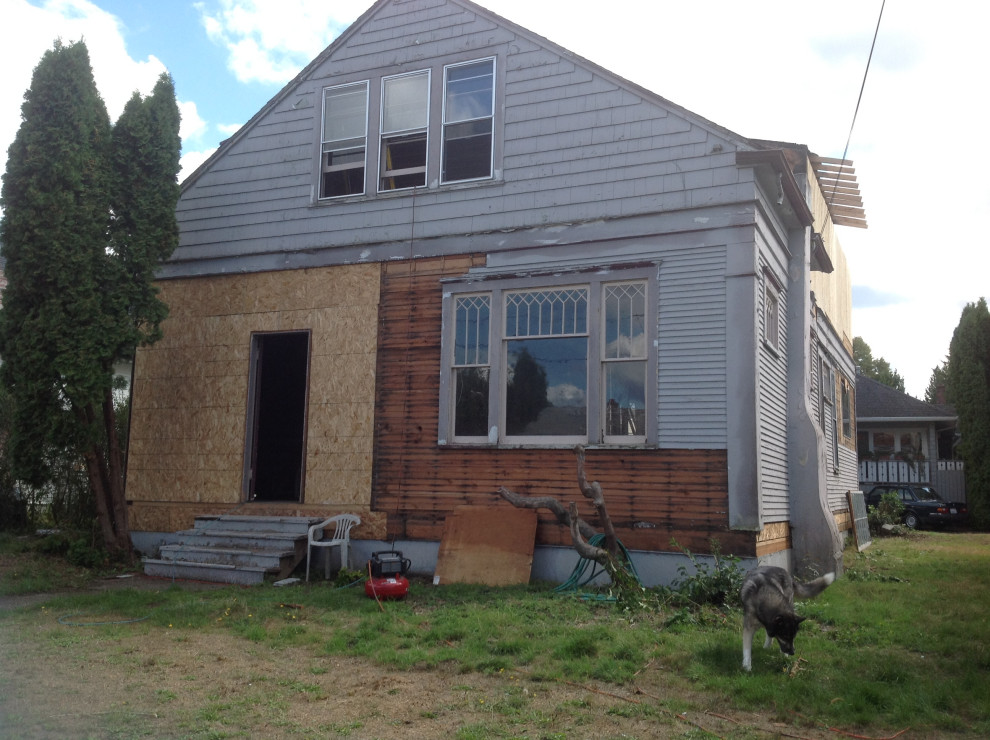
(566, 394)
(229, 129)
(193, 127)
(191, 160)
(28, 31)
(269, 41)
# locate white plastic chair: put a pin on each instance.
(341, 538)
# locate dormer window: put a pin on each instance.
(345, 138)
(468, 114)
(407, 155)
(405, 121)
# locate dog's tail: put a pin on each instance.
(813, 588)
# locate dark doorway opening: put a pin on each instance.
(277, 416)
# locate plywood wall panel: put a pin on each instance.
(191, 389)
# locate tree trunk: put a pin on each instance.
(106, 483)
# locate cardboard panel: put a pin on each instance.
(488, 545)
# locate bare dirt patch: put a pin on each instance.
(142, 681)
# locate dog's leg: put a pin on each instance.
(749, 629)
(768, 642)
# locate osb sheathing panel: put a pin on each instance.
(191, 391)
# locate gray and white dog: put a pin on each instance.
(768, 599)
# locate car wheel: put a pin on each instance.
(911, 520)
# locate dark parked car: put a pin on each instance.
(922, 505)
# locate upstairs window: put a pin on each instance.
(468, 119)
(345, 136)
(405, 120)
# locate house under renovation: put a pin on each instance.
(448, 252)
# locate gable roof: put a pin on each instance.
(878, 402)
(472, 7)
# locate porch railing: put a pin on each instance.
(947, 476)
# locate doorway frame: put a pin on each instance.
(253, 402)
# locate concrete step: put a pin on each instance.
(234, 549)
(241, 539)
(213, 572)
(243, 522)
(273, 560)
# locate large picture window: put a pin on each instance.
(548, 365)
(468, 119)
(345, 137)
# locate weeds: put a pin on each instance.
(898, 642)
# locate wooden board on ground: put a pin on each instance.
(492, 546)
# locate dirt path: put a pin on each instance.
(142, 681)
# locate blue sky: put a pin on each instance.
(771, 69)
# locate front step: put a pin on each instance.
(234, 549)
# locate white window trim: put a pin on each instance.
(595, 410)
(444, 123)
(383, 135)
(323, 142)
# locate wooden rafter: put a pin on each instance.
(837, 179)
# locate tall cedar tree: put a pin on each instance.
(89, 211)
(969, 387)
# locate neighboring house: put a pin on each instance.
(903, 440)
(449, 251)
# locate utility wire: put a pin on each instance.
(862, 86)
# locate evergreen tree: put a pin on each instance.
(969, 386)
(878, 369)
(89, 211)
(939, 379)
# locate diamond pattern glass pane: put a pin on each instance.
(546, 313)
(625, 321)
(471, 324)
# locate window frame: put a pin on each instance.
(497, 287)
(324, 167)
(771, 313)
(385, 137)
(847, 404)
(445, 123)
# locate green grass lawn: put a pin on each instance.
(899, 642)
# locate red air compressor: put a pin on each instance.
(387, 579)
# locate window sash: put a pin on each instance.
(344, 146)
(406, 103)
(624, 362)
(405, 118)
(468, 121)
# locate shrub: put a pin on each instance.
(888, 511)
(717, 583)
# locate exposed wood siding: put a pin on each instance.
(653, 495)
(691, 347)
